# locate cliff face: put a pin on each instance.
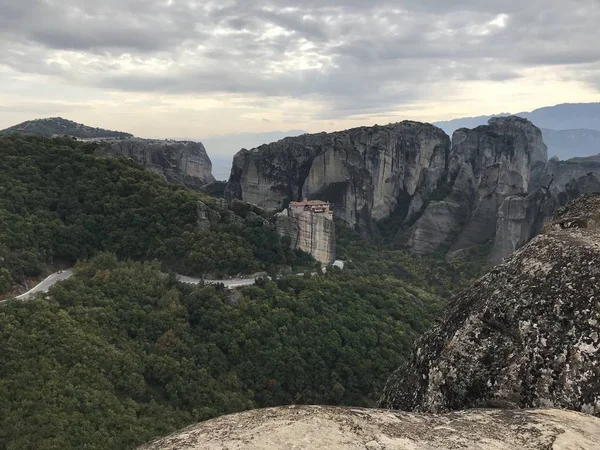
(310, 232)
(525, 335)
(493, 184)
(520, 218)
(182, 162)
(322, 427)
(363, 172)
(486, 165)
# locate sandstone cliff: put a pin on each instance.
(525, 335)
(520, 218)
(363, 172)
(486, 165)
(320, 427)
(493, 184)
(309, 232)
(182, 162)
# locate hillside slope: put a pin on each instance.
(60, 203)
(57, 126)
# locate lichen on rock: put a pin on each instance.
(525, 335)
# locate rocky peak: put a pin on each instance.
(183, 162)
(486, 165)
(525, 335)
(363, 171)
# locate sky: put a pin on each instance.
(191, 68)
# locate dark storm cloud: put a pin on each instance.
(355, 56)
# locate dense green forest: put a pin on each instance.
(58, 202)
(123, 352)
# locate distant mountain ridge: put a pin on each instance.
(569, 130)
(566, 116)
(567, 144)
(57, 126)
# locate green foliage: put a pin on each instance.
(59, 126)
(122, 352)
(431, 273)
(58, 202)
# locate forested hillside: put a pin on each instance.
(57, 126)
(122, 352)
(58, 202)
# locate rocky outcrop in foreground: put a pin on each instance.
(57, 126)
(183, 162)
(525, 335)
(317, 427)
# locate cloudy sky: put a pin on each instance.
(192, 68)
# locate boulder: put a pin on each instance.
(526, 335)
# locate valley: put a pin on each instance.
(180, 306)
(284, 225)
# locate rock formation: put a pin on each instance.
(207, 218)
(493, 184)
(312, 232)
(520, 218)
(525, 335)
(486, 165)
(320, 427)
(182, 162)
(363, 172)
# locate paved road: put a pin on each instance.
(230, 284)
(48, 282)
(51, 280)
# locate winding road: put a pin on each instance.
(47, 283)
(61, 275)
